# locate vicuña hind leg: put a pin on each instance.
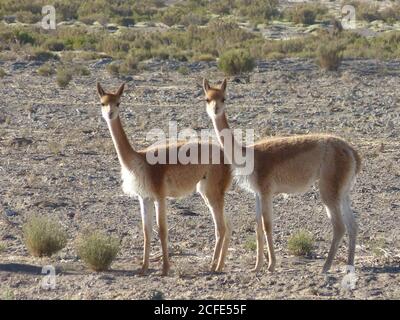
(147, 211)
(266, 209)
(351, 226)
(163, 231)
(259, 236)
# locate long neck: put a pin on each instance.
(226, 138)
(124, 149)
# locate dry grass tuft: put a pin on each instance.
(43, 236)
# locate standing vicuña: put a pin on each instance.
(291, 165)
(153, 183)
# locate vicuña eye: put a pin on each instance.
(118, 104)
(208, 100)
(103, 104)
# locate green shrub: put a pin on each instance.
(236, 61)
(301, 243)
(24, 37)
(329, 56)
(305, 13)
(43, 236)
(46, 70)
(2, 73)
(97, 250)
(63, 77)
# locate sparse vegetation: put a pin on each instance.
(306, 13)
(63, 77)
(7, 294)
(2, 73)
(329, 56)
(2, 247)
(250, 244)
(237, 61)
(46, 70)
(301, 243)
(43, 236)
(97, 250)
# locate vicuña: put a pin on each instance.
(153, 183)
(292, 165)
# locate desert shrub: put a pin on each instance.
(391, 14)
(64, 77)
(300, 243)
(46, 70)
(203, 57)
(43, 236)
(235, 62)
(2, 247)
(27, 17)
(368, 11)
(97, 250)
(54, 45)
(329, 56)
(2, 73)
(24, 37)
(113, 68)
(81, 70)
(43, 55)
(305, 13)
(257, 10)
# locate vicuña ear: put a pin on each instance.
(223, 85)
(120, 90)
(100, 90)
(206, 85)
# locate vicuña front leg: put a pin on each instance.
(146, 210)
(163, 231)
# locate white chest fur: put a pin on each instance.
(135, 182)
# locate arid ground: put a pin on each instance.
(57, 158)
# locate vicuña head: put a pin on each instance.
(215, 98)
(110, 102)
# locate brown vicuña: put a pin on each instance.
(153, 183)
(291, 165)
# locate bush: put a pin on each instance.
(113, 68)
(63, 78)
(305, 13)
(301, 243)
(236, 61)
(97, 250)
(329, 56)
(81, 70)
(46, 70)
(42, 55)
(43, 236)
(2, 73)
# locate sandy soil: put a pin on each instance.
(57, 158)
